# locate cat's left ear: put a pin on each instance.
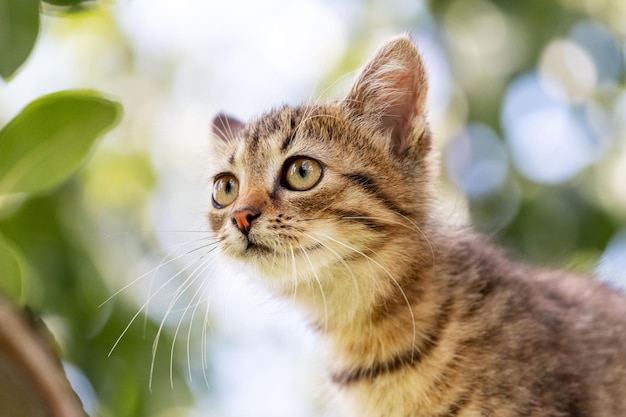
(226, 128)
(390, 91)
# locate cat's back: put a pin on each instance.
(552, 342)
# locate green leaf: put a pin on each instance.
(11, 271)
(51, 137)
(19, 27)
(64, 2)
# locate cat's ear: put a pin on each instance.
(226, 128)
(391, 92)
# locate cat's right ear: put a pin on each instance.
(226, 128)
(390, 93)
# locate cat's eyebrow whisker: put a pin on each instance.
(389, 274)
(312, 99)
(228, 132)
(309, 116)
(317, 116)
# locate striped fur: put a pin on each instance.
(417, 319)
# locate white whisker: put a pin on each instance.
(191, 321)
(145, 304)
(180, 321)
(294, 274)
(388, 273)
(161, 264)
(321, 288)
(203, 348)
(412, 227)
(341, 260)
(176, 296)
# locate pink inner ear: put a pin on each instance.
(391, 90)
(401, 108)
(226, 127)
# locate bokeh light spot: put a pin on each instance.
(477, 161)
(549, 142)
(567, 72)
(613, 261)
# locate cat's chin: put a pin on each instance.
(256, 249)
(250, 250)
(278, 264)
(252, 253)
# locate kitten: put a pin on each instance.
(334, 206)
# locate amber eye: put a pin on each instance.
(302, 174)
(225, 190)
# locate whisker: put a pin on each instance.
(159, 266)
(180, 321)
(203, 343)
(319, 284)
(228, 132)
(144, 305)
(325, 91)
(191, 320)
(176, 296)
(421, 232)
(342, 260)
(294, 274)
(212, 241)
(389, 274)
(412, 227)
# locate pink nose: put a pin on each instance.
(243, 218)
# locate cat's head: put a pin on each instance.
(305, 190)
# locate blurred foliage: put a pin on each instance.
(46, 256)
(65, 3)
(11, 266)
(19, 27)
(551, 222)
(68, 229)
(50, 138)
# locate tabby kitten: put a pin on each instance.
(334, 206)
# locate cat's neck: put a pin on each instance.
(376, 301)
(362, 287)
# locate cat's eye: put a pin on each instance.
(225, 190)
(302, 174)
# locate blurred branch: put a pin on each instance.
(32, 380)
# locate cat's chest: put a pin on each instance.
(402, 386)
(399, 395)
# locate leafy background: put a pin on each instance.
(527, 101)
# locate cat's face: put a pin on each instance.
(304, 191)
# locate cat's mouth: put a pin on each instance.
(252, 247)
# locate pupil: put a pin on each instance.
(228, 187)
(302, 171)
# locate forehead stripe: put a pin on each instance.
(287, 141)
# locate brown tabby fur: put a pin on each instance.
(417, 319)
